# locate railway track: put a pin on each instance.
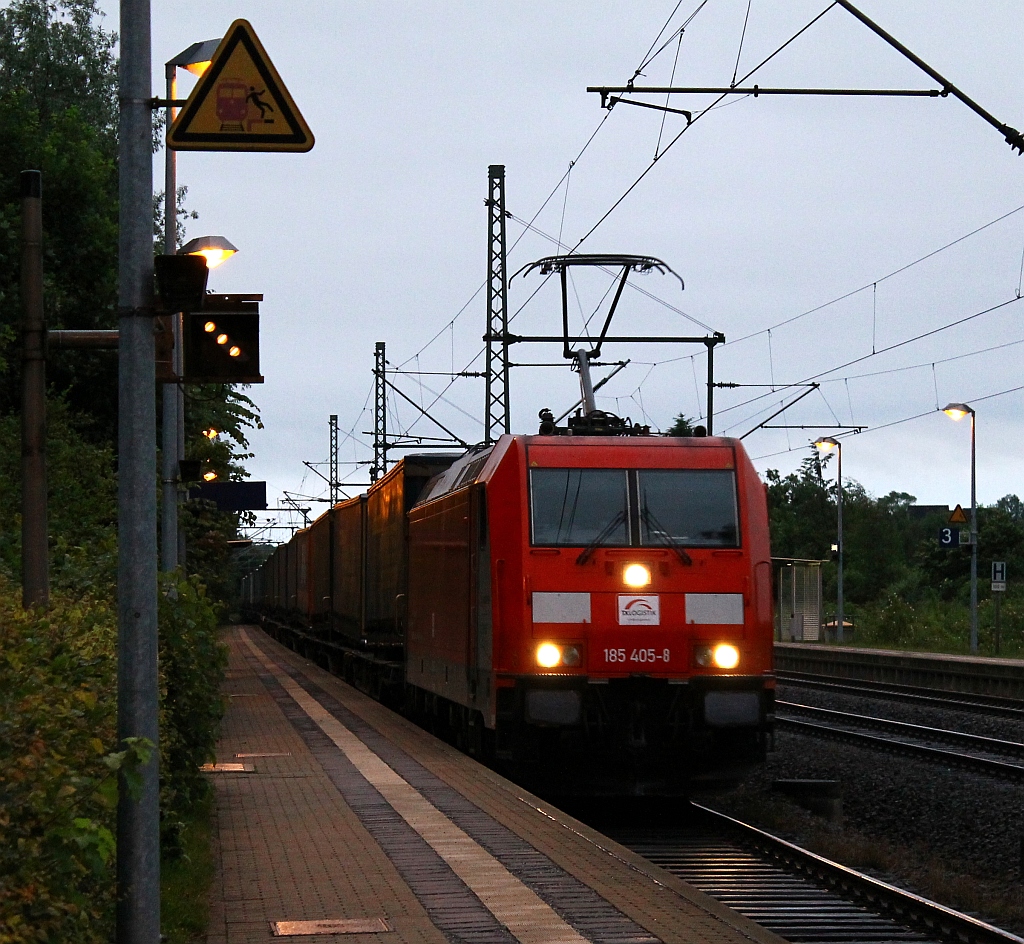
(802, 897)
(974, 752)
(926, 697)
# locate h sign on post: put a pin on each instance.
(999, 576)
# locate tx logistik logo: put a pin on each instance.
(639, 611)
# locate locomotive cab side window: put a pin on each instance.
(623, 508)
(690, 507)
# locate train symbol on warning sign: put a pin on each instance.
(232, 105)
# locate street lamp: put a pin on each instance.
(958, 411)
(196, 58)
(214, 249)
(827, 444)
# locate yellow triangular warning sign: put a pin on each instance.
(240, 103)
(958, 516)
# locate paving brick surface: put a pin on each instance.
(290, 848)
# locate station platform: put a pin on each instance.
(338, 819)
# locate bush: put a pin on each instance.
(58, 763)
(192, 664)
(58, 788)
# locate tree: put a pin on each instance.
(58, 114)
(683, 426)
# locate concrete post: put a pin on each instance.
(138, 817)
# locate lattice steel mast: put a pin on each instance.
(334, 459)
(380, 415)
(496, 405)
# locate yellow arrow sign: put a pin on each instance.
(958, 516)
(240, 103)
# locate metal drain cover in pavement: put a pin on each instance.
(329, 926)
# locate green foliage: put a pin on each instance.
(682, 426)
(58, 115)
(185, 879)
(192, 664)
(900, 587)
(82, 500)
(59, 756)
(55, 51)
(58, 784)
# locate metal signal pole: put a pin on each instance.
(172, 403)
(138, 811)
(35, 573)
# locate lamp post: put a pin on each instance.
(958, 411)
(827, 444)
(196, 58)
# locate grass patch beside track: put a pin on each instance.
(185, 879)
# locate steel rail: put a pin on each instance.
(975, 741)
(902, 905)
(795, 893)
(982, 765)
(932, 697)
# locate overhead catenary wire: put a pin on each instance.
(889, 425)
(884, 350)
(696, 117)
(875, 282)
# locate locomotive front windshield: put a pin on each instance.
(624, 508)
(573, 507)
(692, 507)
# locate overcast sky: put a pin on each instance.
(768, 208)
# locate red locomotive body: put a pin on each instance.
(592, 614)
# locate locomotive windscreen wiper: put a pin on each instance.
(602, 536)
(657, 530)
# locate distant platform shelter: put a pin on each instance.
(798, 613)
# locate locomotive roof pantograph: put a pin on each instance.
(240, 103)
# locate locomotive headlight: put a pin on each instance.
(725, 656)
(636, 575)
(548, 655)
(721, 656)
(570, 656)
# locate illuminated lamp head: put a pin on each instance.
(214, 249)
(636, 575)
(957, 410)
(548, 655)
(725, 656)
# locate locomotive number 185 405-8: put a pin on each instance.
(637, 655)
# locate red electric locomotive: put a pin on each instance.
(590, 608)
(592, 614)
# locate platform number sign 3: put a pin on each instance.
(949, 537)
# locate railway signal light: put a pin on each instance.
(181, 281)
(222, 341)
